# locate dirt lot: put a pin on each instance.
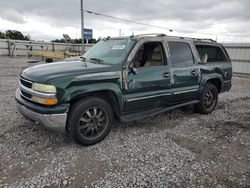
(176, 149)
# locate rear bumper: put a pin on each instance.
(52, 120)
(226, 86)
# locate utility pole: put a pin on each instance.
(82, 27)
(120, 32)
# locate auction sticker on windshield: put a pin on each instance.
(118, 47)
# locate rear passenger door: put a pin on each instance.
(184, 71)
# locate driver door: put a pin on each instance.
(148, 86)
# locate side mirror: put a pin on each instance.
(133, 69)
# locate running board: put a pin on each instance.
(153, 112)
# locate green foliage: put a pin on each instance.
(14, 34)
(2, 35)
(59, 40)
(76, 41)
(92, 41)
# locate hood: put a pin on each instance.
(45, 72)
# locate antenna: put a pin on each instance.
(82, 26)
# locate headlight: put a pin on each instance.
(44, 88)
(46, 94)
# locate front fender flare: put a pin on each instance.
(80, 91)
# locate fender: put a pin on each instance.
(83, 90)
(205, 77)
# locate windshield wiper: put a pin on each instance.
(84, 60)
(96, 60)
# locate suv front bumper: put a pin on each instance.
(53, 121)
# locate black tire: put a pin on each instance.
(48, 60)
(208, 99)
(90, 120)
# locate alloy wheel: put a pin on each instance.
(209, 99)
(93, 122)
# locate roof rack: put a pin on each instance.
(163, 35)
(151, 34)
(210, 40)
(197, 39)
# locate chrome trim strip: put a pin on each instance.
(36, 93)
(106, 74)
(25, 96)
(147, 97)
(26, 80)
(180, 92)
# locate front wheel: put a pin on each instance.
(209, 99)
(90, 120)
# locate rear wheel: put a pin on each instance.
(209, 99)
(90, 120)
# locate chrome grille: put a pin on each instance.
(26, 95)
(27, 92)
(25, 84)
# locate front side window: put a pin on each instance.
(212, 53)
(180, 53)
(110, 51)
(148, 55)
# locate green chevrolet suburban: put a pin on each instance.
(124, 79)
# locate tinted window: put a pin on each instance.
(180, 53)
(213, 53)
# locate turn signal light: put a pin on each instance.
(44, 101)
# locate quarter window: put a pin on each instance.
(213, 53)
(180, 53)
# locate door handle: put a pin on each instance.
(166, 75)
(193, 71)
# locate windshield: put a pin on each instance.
(110, 51)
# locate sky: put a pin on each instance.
(222, 20)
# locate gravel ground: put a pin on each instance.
(176, 149)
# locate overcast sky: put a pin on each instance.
(226, 20)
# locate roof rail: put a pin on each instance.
(197, 39)
(210, 40)
(163, 35)
(151, 34)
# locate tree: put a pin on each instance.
(2, 35)
(16, 35)
(59, 40)
(76, 41)
(27, 37)
(92, 41)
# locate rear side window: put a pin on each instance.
(213, 53)
(180, 53)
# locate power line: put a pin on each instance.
(126, 20)
(159, 27)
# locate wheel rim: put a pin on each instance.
(209, 100)
(93, 122)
